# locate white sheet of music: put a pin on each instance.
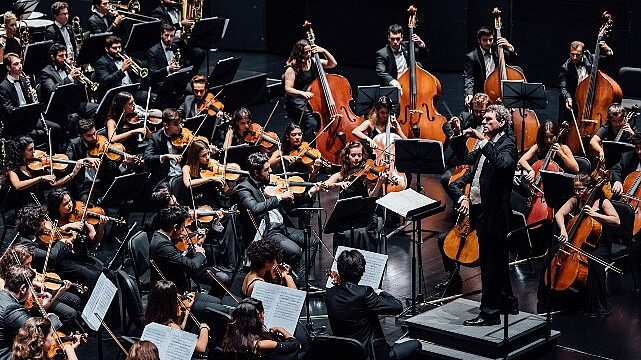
(261, 230)
(403, 202)
(374, 267)
(282, 304)
(172, 344)
(99, 301)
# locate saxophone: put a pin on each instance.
(191, 9)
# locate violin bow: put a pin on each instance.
(213, 276)
(267, 122)
(193, 136)
(193, 203)
(54, 224)
(144, 124)
(111, 333)
(48, 131)
(576, 126)
(184, 308)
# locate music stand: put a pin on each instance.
(367, 96)
(123, 244)
(24, 7)
(613, 150)
(224, 71)
(92, 48)
(208, 32)
(522, 95)
(105, 103)
(238, 154)
(36, 56)
(65, 99)
(23, 120)
(142, 36)
(172, 88)
(349, 214)
(123, 189)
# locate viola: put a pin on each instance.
(41, 161)
(52, 282)
(61, 341)
(256, 134)
(333, 274)
(370, 170)
(114, 152)
(93, 214)
(212, 107)
(279, 185)
(207, 214)
(231, 172)
(185, 138)
(461, 244)
(278, 272)
(307, 155)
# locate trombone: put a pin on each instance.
(91, 85)
(137, 69)
(129, 11)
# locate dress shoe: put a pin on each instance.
(481, 321)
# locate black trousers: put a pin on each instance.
(292, 241)
(67, 307)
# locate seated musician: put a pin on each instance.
(198, 158)
(257, 207)
(264, 256)
(36, 337)
(101, 20)
(181, 267)
(199, 103)
(60, 31)
(25, 181)
(161, 308)
(160, 57)
(120, 129)
(9, 39)
(376, 124)
(616, 127)
(547, 140)
(13, 313)
(353, 157)
(143, 350)
(629, 163)
(592, 298)
(353, 310)
(240, 123)
(56, 73)
(161, 156)
(16, 91)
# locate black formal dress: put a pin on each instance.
(353, 312)
(298, 109)
(386, 68)
(474, 74)
(496, 160)
(12, 316)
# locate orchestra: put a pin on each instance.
(86, 143)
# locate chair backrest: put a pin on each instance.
(180, 191)
(584, 164)
(630, 81)
(131, 298)
(324, 347)
(623, 232)
(139, 254)
(217, 321)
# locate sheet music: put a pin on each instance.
(260, 231)
(99, 301)
(282, 304)
(404, 202)
(172, 344)
(374, 267)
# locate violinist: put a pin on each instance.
(291, 141)
(264, 256)
(161, 157)
(480, 62)
(239, 128)
(163, 308)
(25, 181)
(376, 124)
(123, 108)
(299, 74)
(203, 102)
(392, 60)
(547, 137)
(257, 207)
(198, 158)
(489, 209)
(616, 129)
(592, 298)
(628, 163)
(36, 337)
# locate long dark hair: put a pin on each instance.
(143, 350)
(295, 59)
(550, 126)
(345, 166)
(245, 328)
(285, 144)
(118, 104)
(54, 199)
(193, 157)
(15, 152)
(162, 305)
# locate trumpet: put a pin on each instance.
(137, 69)
(33, 95)
(93, 86)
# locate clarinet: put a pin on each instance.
(32, 92)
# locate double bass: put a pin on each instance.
(419, 117)
(332, 96)
(593, 96)
(461, 244)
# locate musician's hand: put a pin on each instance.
(287, 195)
(91, 162)
(627, 128)
(464, 207)
(218, 180)
(128, 159)
(199, 248)
(607, 49)
(126, 64)
(74, 73)
(102, 219)
(343, 185)
(213, 148)
(556, 147)
(371, 143)
(307, 94)
(289, 159)
(601, 156)
(280, 330)
(588, 210)
(455, 123)
(76, 226)
(49, 178)
(468, 100)
(174, 157)
(417, 40)
(173, 67)
(45, 299)
(568, 103)
(119, 19)
(317, 49)
(473, 133)
(316, 166)
(530, 175)
(617, 188)
(187, 22)
(378, 291)
(563, 236)
(317, 187)
(502, 42)
(66, 285)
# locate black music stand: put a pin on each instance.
(208, 32)
(224, 71)
(238, 154)
(613, 150)
(349, 214)
(64, 100)
(105, 103)
(524, 96)
(92, 49)
(172, 88)
(143, 35)
(23, 120)
(36, 57)
(124, 188)
(367, 96)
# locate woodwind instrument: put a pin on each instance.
(33, 95)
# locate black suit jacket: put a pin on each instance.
(157, 64)
(386, 64)
(49, 79)
(157, 146)
(187, 108)
(474, 72)
(12, 316)
(495, 181)
(568, 76)
(628, 163)
(353, 312)
(58, 251)
(162, 14)
(53, 32)
(108, 75)
(9, 99)
(454, 151)
(173, 264)
(76, 150)
(96, 25)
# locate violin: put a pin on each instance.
(212, 107)
(295, 184)
(256, 134)
(114, 152)
(61, 341)
(385, 148)
(307, 155)
(232, 171)
(51, 236)
(185, 138)
(188, 238)
(52, 282)
(206, 213)
(333, 274)
(371, 171)
(41, 161)
(184, 303)
(92, 216)
(278, 272)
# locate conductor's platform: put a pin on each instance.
(443, 335)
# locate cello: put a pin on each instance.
(332, 96)
(419, 117)
(594, 95)
(461, 244)
(632, 196)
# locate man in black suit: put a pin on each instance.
(629, 162)
(101, 20)
(353, 310)
(56, 73)
(178, 267)
(488, 206)
(480, 62)
(160, 155)
(160, 57)
(60, 31)
(393, 59)
(113, 70)
(257, 207)
(189, 109)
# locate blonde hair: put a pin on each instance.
(8, 16)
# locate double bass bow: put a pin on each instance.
(419, 117)
(332, 96)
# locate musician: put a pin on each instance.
(239, 128)
(160, 57)
(480, 62)
(36, 336)
(101, 20)
(488, 206)
(256, 207)
(25, 181)
(264, 255)
(161, 156)
(616, 123)
(629, 162)
(298, 76)
(180, 267)
(376, 124)
(9, 41)
(547, 137)
(55, 74)
(60, 31)
(198, 157)
(291, 141)
(353, 310)
(12, 311)
(113, 70)
(119, 128)
(577, 68)
(143, 350)
(201, 99)
(594, 294)
(393, 59)
(162, 308)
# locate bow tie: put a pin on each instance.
(168, 48)
(398, 52)
(487, 53)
